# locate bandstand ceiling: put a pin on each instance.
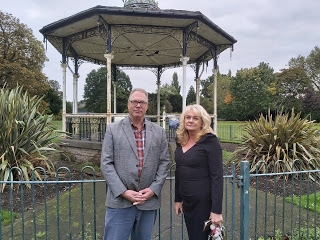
(138, 37)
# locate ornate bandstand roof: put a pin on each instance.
(139, 34)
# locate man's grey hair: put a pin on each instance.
(139, 90)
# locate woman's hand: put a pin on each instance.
(216, 219)
(178, 208)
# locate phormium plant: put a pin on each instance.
(284, 143)
(25, 137)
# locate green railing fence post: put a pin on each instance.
(244, 183)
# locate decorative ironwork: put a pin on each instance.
(78, 61)
(196, 66)
(189, 28)
(204, 42)
(104, 31)
(120, 29)
(92, 32)
(56, 40)
(150, 4)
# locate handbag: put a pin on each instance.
(216, 231)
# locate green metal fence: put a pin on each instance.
(69, 206)
(84, 128)
(231, 133)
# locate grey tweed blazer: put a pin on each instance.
(119, 161)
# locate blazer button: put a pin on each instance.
(137, 165)
(136, 180)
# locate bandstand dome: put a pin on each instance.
(139, 34)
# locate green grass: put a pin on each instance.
(310, 202)
(6, 217)
(58, 124)
(232, 123)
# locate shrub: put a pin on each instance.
(285, 139)
(25, 136)
(297, 234)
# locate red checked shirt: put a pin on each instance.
(140, 137)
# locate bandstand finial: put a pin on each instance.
(151, 4)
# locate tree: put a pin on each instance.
(170, 95)
(311, 104)
(124, 88)
(54, 98)
(223, 85)
(176, 102)
(95, 91)
(205, 91)
(191, 96)
(175, 87)
(311, 65)
(22, 57)
(252, 92)
(292, 84)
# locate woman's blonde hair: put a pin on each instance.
(182, 133)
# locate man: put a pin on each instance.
(134, 161)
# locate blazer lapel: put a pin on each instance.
(149, 138)
(127, 128)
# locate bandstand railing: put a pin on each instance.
(92, 127)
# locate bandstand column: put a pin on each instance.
(75, 93)
(184, 60)
(64, 98)
(215, 115)
(158, 101)
(109, 57)
(197, 90)
(114, 97)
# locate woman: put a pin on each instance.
(199, 172)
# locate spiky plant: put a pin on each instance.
(25, 136)
(283, 143)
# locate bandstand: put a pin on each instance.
(138, 35)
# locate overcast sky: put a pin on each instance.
(271, 31)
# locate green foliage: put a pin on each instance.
(191, 96)
(25, 136)
(311, 65)
(207, 104)
(175, 86)
(297, 234)
(95, 91)
(284, 138)
(292, 83)
(176, 102)
(252, 92)
(54, 98)
(205, 84)
(311, 104)
(22, 57)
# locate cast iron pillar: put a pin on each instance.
(64, 104)
(109, 57)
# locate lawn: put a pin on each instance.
(310, 202)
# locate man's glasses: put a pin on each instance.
(135, 102)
